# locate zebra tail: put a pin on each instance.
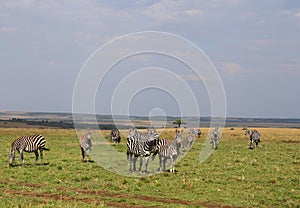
(46, 149)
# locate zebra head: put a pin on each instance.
(178, 137)
(153, 144)
(251, 144)
(247, 132)
(11, 157)
(89, 135)
(151, 130)
(153, 136)
(215, 133)
(131, 133)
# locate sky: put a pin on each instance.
(254, 45)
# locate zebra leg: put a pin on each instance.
(22, 156)
(134, 163)
(41, 156)
(19, 156)
(171, 164)
(141, 164)
(83, 154)
(164, 164)
(146, 164)
(36, 156)
(251, 144)
(160, 163)
(130, 161)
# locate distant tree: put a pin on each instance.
(179, 121)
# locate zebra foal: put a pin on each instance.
(33, 143)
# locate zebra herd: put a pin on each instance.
(139, 145)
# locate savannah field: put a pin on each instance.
(233, 176)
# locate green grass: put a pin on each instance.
(232, 176)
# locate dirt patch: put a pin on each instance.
(291, 141)
(60, 196)
(153, 199)
(81, 193)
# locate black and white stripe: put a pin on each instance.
(214, 138)
(115, 135)
(142, 136)
(254, 137)
(137, 148)
(33, 143)
(85, 145)
(168, 150)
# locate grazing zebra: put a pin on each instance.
(85, 145)
(33, 143)
(254, 137)
(137, 148)
(189, 140)
(168, 150)
(196, 132)
(214, 138)
(115, 136)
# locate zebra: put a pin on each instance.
(32, 143)
(214, 138)
(85, 145)
(198, 132)
(254, 137)
(168, 150)
(189, 140)
(115, 136)
(140, 148)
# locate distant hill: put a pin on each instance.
(65, 120)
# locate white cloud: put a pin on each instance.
(297, 14)
(169, 11)
(229, 67)
(190, 77)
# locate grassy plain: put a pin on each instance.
(233, 176)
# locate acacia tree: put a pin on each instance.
(179, 121)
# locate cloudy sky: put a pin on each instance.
(253, 44)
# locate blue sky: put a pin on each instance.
(253, 44)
